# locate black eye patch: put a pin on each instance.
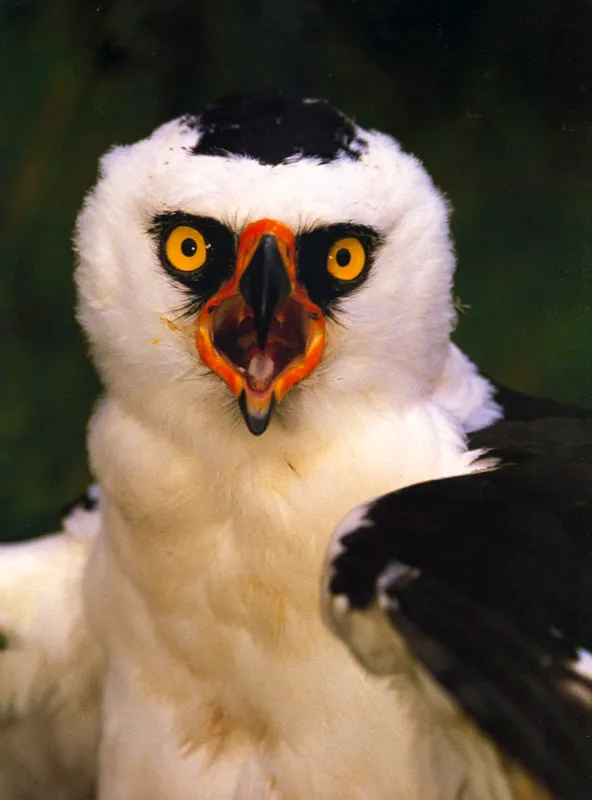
(218, 260)
(317, 252)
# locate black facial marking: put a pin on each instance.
(313, 249)
(272, 128)
(221, 248)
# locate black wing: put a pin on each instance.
(489, 579)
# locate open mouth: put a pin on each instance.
(261, 333)
(235, 338)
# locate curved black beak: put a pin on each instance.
(265, 285)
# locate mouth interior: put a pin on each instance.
(235, 338)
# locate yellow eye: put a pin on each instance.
(346, 259)
(186, 249)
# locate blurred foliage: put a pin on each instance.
(494, 96)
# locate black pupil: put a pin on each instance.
(343, 257)
(189, 247)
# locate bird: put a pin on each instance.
(487, 578)
(50, 665)
(266, 290)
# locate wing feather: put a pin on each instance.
(488, 579)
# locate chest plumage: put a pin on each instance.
(266, 292)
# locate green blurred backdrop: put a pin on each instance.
(494, 96)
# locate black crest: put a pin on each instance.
(272, 128)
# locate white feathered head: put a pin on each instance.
(265, 248)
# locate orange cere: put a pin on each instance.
(249, 241)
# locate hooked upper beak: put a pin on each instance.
(265, 284)
(261, 333)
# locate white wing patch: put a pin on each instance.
(583, 666)
(395, 573)
(83, 518)
(355, 520)
(368, 632)
(50, 669)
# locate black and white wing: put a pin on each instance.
(488, 579)
(50, 670)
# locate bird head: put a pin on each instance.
(268, 251)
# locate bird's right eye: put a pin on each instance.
(186, 248)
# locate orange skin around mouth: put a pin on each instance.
(301, 366)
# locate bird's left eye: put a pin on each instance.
(346, 259)
(186, 248)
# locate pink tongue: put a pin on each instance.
(260, 371)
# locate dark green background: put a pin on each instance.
(494, 96)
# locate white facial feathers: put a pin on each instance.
(391, 334)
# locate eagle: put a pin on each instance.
(266, 289)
